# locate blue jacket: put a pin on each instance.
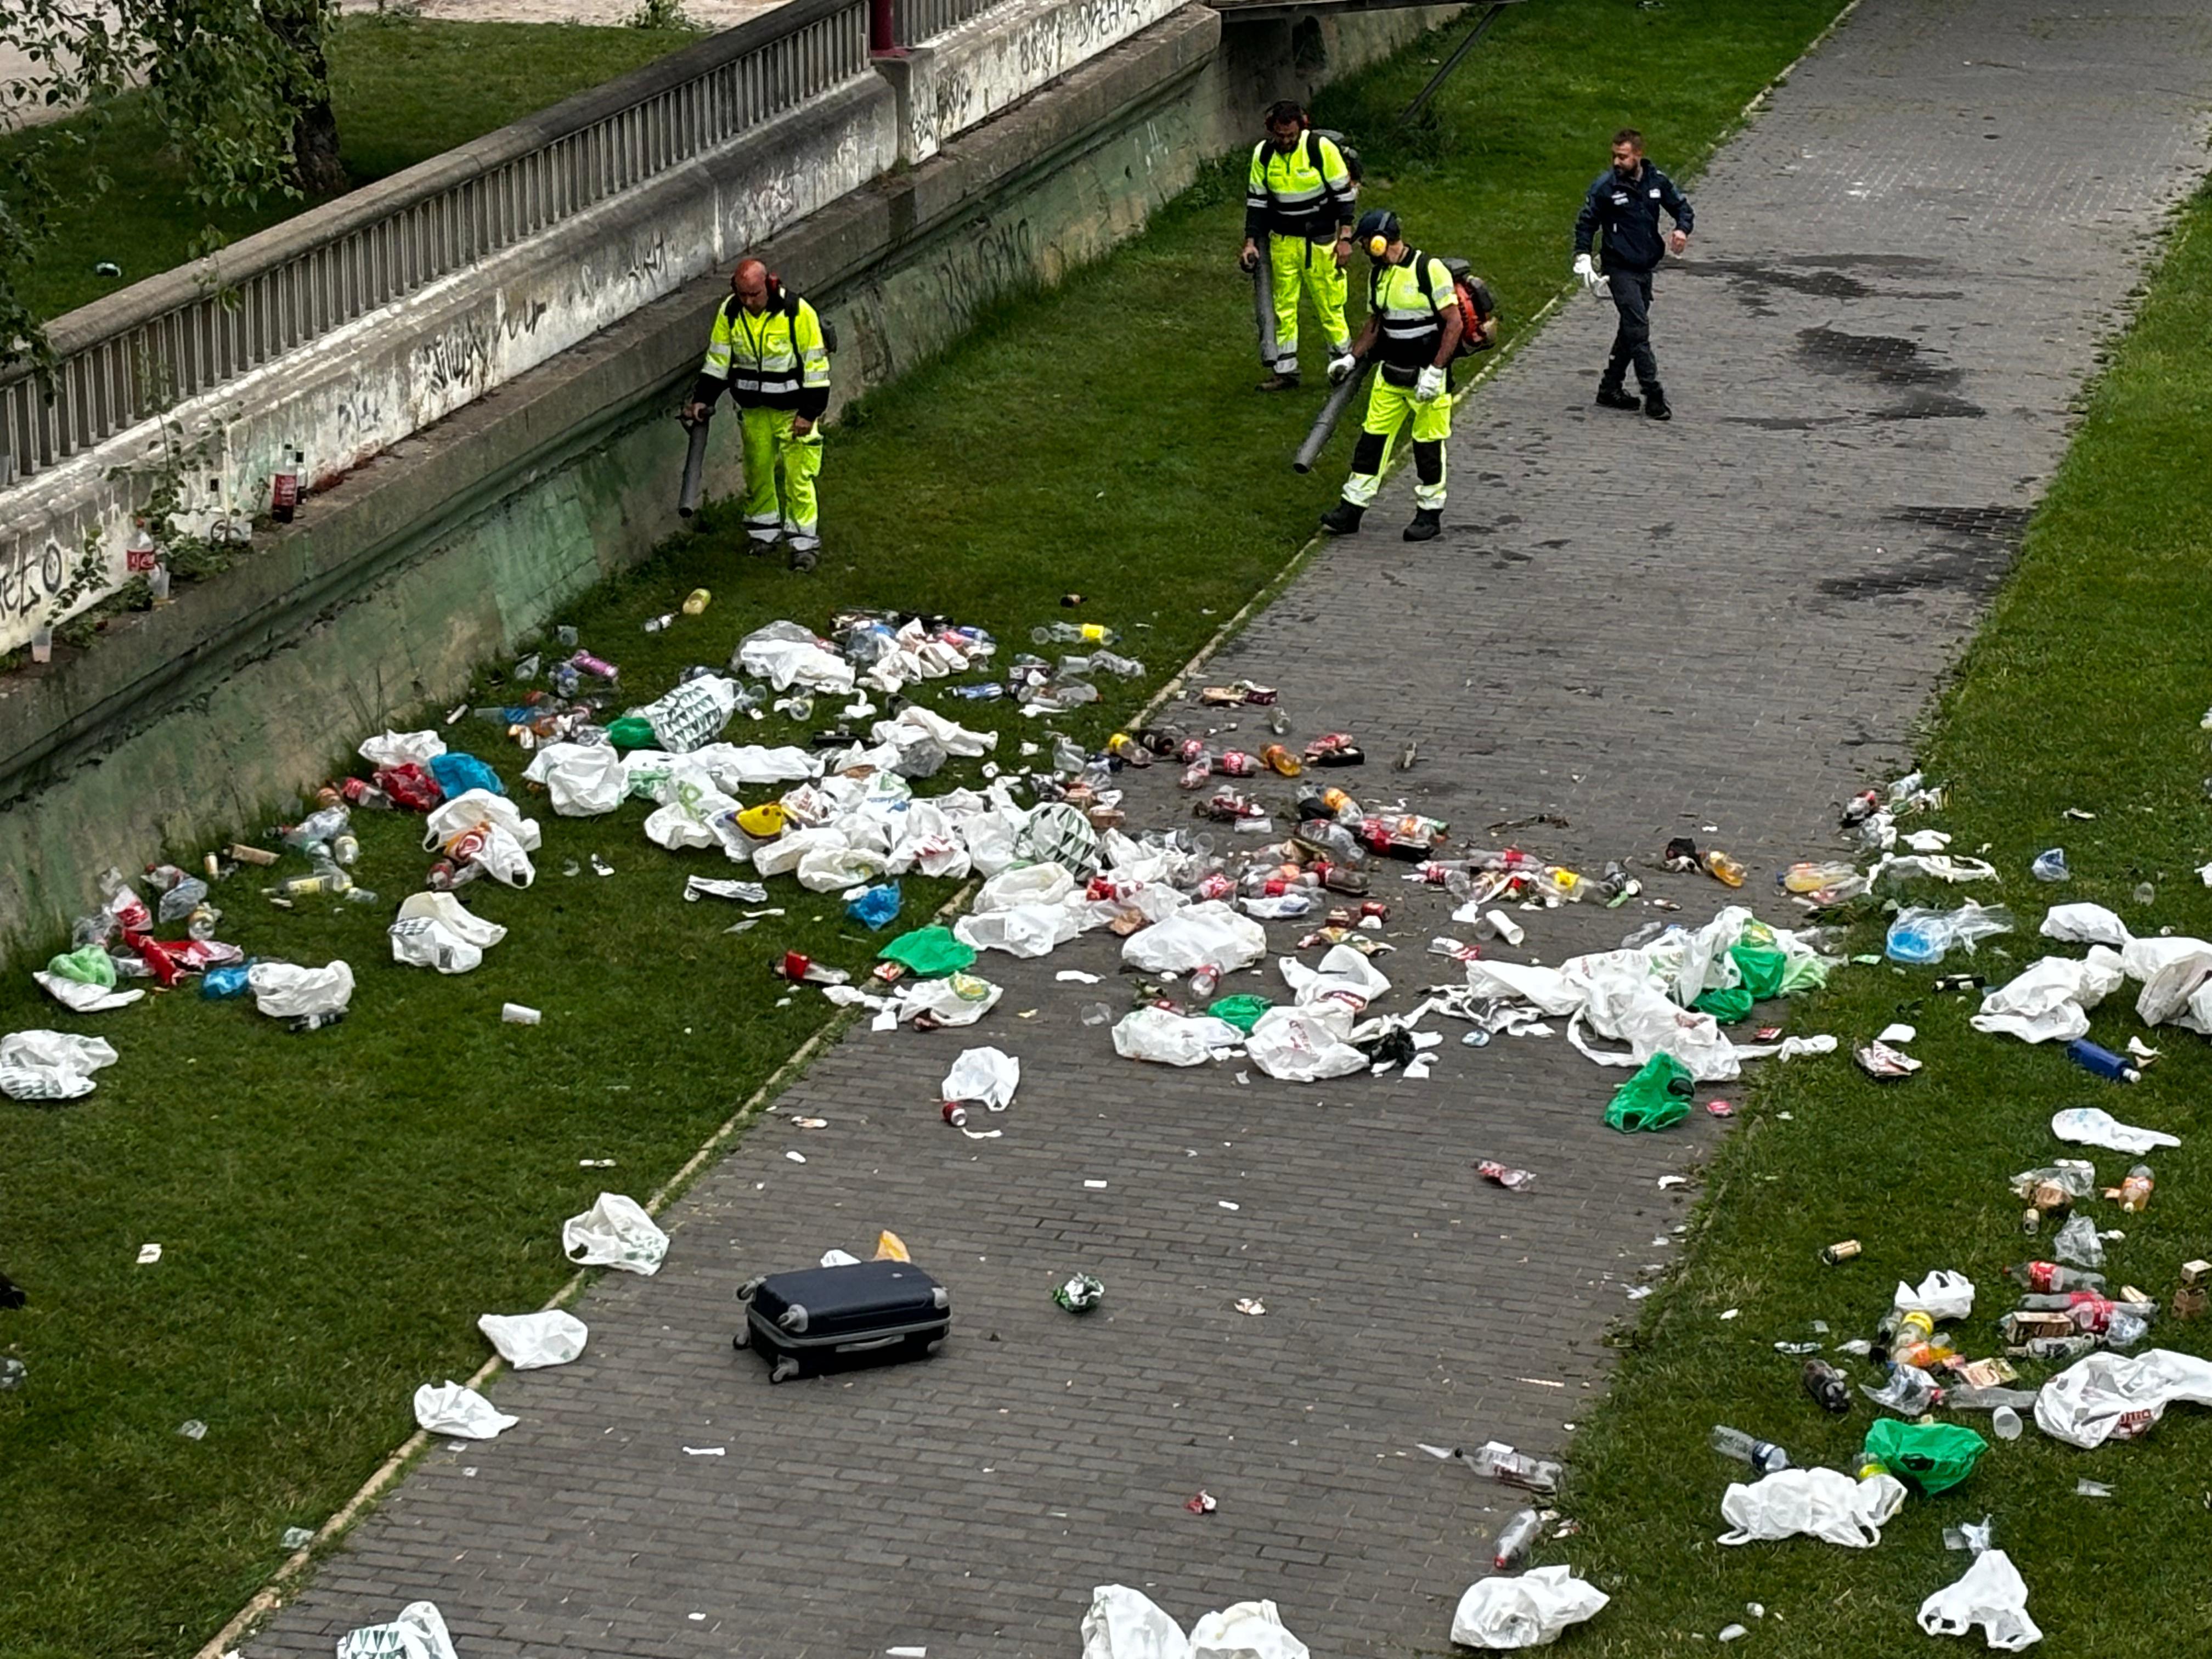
(1628, 211)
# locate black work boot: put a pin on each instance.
(1427, 521)
(1342, 519)
(1655, 403)
(804, 558)
(1610, 396)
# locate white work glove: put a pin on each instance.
(1586, 272)
(1340, 367)
(1430, 386)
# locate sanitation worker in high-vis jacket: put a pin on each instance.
(768, 351)
(1298, 204)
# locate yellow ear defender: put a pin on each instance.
(1378, 245)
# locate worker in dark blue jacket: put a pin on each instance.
(1626, 203)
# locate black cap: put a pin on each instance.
(1379, 221)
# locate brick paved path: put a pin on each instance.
(1901, 274)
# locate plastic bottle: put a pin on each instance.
(2049, 865)
(1825, 1385)
(2091, 1314)
(989, 691)
(2145, 893)
(696, 601)
(1990, 1399)
(1721, 867)
(1063, 633)
(2090, 1057)
(1763, 1456)
(360, 792)
(345, 848)
(1512, 1468)
(2050, 1276)
(1204, 980)
(307, 1023)
(332, 881)
(1126, 749)
(2135, 1191)
(661, 623)
(1812, 877)
(284, 488)
(1515, 1542)
(1282, 759)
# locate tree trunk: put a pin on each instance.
(316, 167)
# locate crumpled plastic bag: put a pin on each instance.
(786, 654)
(581, 779)
(1245, 1630)
(1057, 833)
(2093, 1125)
(1546, 988)
(1626, 1005)
(1195, 936)
(2171, 970)
(2050, 1001)
(473, 807)
(459, 1412)
(42, 1065)
(957, 999)
(456, 918)
(88, 964)
(1026, 884)
(929, 952)
(2114, 1396)
(1656, 1097)
(283, 990)
(1304, 1044)
(419, 1633)
(529, 1341)
(1922, 935)
(402, 749)
(1823, 1504)
(1174, 1039)
(989, 1076)
(1125, 1623)
(914, 723)
(691, 714)
(734, 766)
(1027, 930)
(80, 998)
(2085, 924)
(689, 806)
(1929, 1458)
(1342, 976)
(1991, 1592)
(424, 942)
(615, 1232)
(1941, 1296)
(1528, 1611)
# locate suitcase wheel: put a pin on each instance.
(743, 1340)
(786, 1369)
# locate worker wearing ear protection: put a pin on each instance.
(1299, 198)
(1413, 329)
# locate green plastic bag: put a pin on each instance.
(632, 732)
(929, 952)
(1726, 1007)
(1242, 1011)
(90, 966)
(1656, 1097)
(1762, 967)
(1805, 974)
(1927, 1457)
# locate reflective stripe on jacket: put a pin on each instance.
(1289, 195)
(776, 360)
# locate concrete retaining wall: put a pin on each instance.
(445, 548)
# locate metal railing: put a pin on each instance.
(916, 21)
(124, 358)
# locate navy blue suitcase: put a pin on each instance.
(822, 1319)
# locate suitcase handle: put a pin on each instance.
(873, 1342)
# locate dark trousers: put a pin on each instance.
(1632, 297)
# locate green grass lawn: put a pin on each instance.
(405, 90)
(2084, 691)
(336, 1209)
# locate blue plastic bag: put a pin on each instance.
(457, 773)
(878, 906)
(220, 984)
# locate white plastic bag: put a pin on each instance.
(1941, 1296)
(82, 999)
(528, 1341)
(2085, 924)
(1627, 1007)
(691, 714)
(420, 942)
(1126, 1624)
(1171, 1039)
(1343, 976)
(582, 779)
(1525, 1612)
(786, 654)
(1304, 1044)
(44, 1065)
(456, 918)
(402, 749)
(2050, 1002)
(284, 991)
(2171, 969)
(472, 807)
(1028, 883)
(955, 999)
(2116, 1396)
(987, 1075)
(1027, 930)
(459, 1412)
(615, 1232)
(1825, 1504)
(914, 722)
(1990, 1593)
(1194, 936)
(780, 857)
(1245, 1630)
(2093, 1125)
(1546, 988)
(419, 1633)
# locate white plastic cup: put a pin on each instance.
(515, 1014)
(2004, 1423)
(1508, 929)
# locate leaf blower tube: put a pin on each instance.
(1324, 426)
(695, 469)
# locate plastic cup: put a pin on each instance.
(2004, 1423)
(515, 1014)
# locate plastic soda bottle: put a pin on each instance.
(1721, 867)
(1763, 1456)
(1515, 1542)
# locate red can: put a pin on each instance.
(956, 1114)
(1236, 763)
